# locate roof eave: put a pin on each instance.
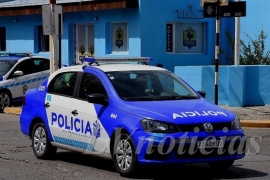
(71, 7)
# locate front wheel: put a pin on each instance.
(5, 100)
(221, 165)
(41, 144)
(125, 159)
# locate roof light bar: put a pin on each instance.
(89, 60)
(16, 54)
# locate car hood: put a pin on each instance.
(179, 111)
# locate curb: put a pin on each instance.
(13, 110)
(244, 123)
(255, 123)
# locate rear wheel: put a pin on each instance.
(5, 100)
(41, 144)
(221, 165)
(125, 159)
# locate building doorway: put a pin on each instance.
(84, 41)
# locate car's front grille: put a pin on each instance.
(199, 127)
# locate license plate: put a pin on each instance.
(210, 144)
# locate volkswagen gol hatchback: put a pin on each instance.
(133, 114)
(19, 72)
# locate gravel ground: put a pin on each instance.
(251, 112)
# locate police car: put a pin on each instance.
(134, 114)
(19, 72)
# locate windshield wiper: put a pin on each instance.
(140, 98)
(169, 97)
(190, 97)
(152, 98)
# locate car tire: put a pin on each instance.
(124, 157)
(5, 100)
(221, 165)
(41, 145)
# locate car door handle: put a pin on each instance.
(75, 112)
(47, 105)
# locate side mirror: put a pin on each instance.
(203, 94)
(97, 99)
(17, 73)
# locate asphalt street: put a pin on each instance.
(17, 161)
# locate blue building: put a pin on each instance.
(174, 33)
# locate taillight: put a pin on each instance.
(23, 100)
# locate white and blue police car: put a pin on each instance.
(134, 114)
(19, 72)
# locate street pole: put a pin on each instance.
(217, 50)
(237, 41)
(60, 40)
(54, 57)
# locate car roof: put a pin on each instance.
(108, 67)
(126, 67)
(19, 57)
(11, 58)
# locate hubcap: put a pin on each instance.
(124, 154)
(40, 140)
(4, 100)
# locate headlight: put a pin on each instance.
(158, 126)
(236, 123)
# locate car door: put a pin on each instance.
(42, 71)
(58, 103)
(31, 78)
(90, 134)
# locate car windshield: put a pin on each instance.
(5, 66)
(150, 86)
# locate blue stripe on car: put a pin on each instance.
(73, 143)
(23, 82)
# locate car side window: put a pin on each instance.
(26, 66)
(63, 84)
(30, 66)
(41, 64)
(91, 84)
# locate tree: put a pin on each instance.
(252, 53)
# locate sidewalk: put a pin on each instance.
(253, 116)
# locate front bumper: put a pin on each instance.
(156, 148)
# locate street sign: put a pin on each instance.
(234, 9)
(209, 10)
(221, 2)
